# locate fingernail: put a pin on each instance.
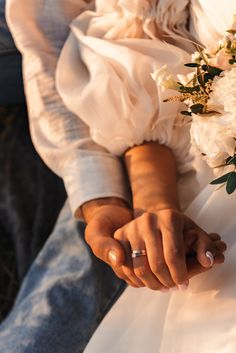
(112, 256)
(183, 286)
(164, 290)
(210, 256)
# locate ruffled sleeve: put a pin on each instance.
(104, 73)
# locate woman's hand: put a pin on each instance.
(176, 250)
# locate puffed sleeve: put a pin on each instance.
(40, 28)
(104, 73)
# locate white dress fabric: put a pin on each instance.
(104, 72)
(104, 77)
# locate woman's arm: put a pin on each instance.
(160, 228)
(152, 173)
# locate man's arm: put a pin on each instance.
(39, 29)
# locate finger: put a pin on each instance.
(103, 245)
(220, 246)
(141, 266)
(174, 251)
(143, 271)
(190, 238)
(214, 236)
(219, 258)
(195, 268)
(127, 274)
(127, 269)
(156, 259)
(205, 249)
(120, 274)
(131, 284)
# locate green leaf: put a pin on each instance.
(207, 77)
(231, 160)
(185, 89)
(231, 31)
(231, 183)
(197, 108)
(192, 65)
(214, 71)
(221, 179)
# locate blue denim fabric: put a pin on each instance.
(64, 296)
(11, 84)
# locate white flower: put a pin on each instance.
(214, 140)
(196, 57)
(164, 78)
(233, 25)
(223, 95)
(185, 79)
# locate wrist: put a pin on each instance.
(91, 208)
(153, 177)
(139, 209)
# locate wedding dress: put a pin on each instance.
(104, 77)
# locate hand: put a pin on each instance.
(102, 223)
(167, 236)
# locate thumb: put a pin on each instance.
(109, 250)
(115, 254)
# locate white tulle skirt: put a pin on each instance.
(199, 320)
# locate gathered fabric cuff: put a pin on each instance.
(95, 177)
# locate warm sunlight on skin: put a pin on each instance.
(157, 225)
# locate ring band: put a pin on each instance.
(210, 256)
(138, 253)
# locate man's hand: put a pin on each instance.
(104, 217)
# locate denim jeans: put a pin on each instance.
(11, 86)
(64, 296)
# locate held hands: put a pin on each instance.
(176, 247)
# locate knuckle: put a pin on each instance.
(158, 267)
(140, 272)
(147, 218)
(175, 255)
(172, 219)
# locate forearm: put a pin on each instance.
(152, 173)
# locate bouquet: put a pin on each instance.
(209, 94)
